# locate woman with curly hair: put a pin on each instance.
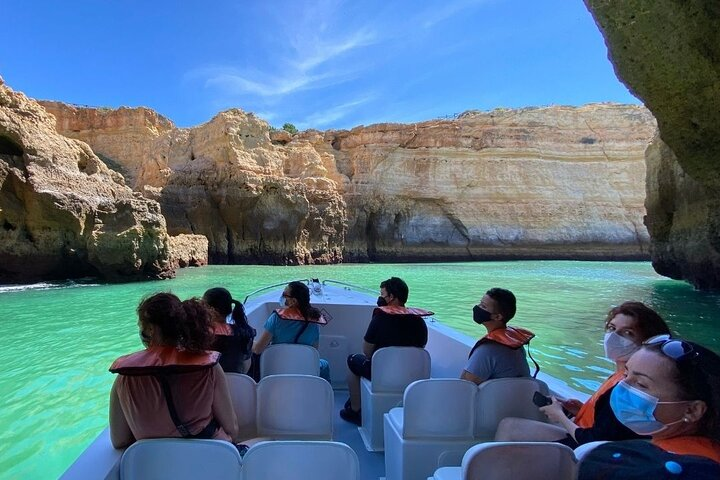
(175, 386)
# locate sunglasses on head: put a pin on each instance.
(681, 351)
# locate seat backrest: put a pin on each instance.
(507, 397)
(289, 358)
(519, 461)
(439, 407)
(394, 368)
(300, 460)
(179, 459)
(243, 392)
(295, 406)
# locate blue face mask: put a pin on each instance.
(635, 409)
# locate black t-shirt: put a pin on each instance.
(387, 330)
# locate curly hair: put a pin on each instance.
(183, 324)
(647, 321)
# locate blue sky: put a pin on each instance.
(318, 64)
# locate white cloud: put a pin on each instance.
(321, 119)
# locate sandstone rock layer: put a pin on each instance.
(63, 213)
(554, 182)
(668, 53)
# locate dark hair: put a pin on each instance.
(182, 324)
(698, 378)
(300, 292)
(397, 288)
(648, 322)
(220, 299)
(505, 300)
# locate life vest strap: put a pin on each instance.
(205, 433)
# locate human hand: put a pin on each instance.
(572, 405)
(554, 411)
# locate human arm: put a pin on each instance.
(261, 342)
(368, 349)
(555, 414)
(572, 405)
(222, 407)
(120, 434)
(465, 375)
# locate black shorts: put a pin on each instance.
(359, 364)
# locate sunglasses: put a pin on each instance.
(681, 351)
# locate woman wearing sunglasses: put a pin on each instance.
(296, 321)
(626, 327)
(671, 392)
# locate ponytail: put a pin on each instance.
(300, 292)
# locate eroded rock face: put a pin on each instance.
(556, 182)
(188, 251)
(668, 54)
(63, 213)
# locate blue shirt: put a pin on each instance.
(285, 331)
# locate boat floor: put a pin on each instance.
(372, 464)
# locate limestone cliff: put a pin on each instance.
(555, 182)
(188, 251)
(63, 213)
(668, 53)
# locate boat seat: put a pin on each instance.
(433, 428)
(289, 358)
(180, 459)
(243, 392)
(393, 369)
(506, 397)
(300, 460)
(295, 407)
(516, 460)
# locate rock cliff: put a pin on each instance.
(554, 182)
(668, 54)
(63, 213)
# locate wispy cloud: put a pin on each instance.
(436, 14)
(331, 115)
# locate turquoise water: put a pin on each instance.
(57, 342)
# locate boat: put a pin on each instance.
(350, 309)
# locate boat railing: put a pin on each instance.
(270, 287)
(349, 286)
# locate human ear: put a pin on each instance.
(695, 411)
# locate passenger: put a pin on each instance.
(500, 353)
(296, 321)
(626, 327)
(392, 325)
(671, 392)
(233, 336)
(174, 387)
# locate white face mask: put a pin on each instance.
(282, 301)
(618, 347)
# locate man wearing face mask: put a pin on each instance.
(392, 325)
(500, 353)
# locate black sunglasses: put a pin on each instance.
(681, 351)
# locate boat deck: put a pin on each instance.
(372, 464)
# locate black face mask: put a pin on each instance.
(381, 302)
(480, 315)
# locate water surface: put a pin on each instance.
(59, 340)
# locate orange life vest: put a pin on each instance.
(513, 337)
(293, 313)
(396, 310)
(586, 416)
(691, 445)
(222, 329)
(163, 359)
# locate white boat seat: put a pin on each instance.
(506, 397)
(515, 460)
(300, 460)
(243, 392)
(393, 369)
(285, 358)
(433, 428)
(180, 459)
(295, 407)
